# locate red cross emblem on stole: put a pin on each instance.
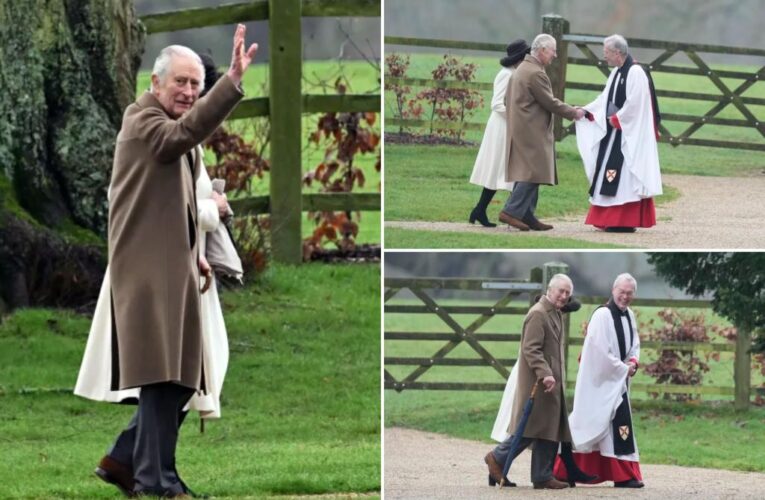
(624, 432)
(610, 175)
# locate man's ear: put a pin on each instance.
(154, 83)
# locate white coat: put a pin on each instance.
(641, 175)
(491, 162)
(94, 379)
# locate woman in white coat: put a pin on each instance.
(489, 168)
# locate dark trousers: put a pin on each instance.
(148, 442)
(523, 201)
(542, 456)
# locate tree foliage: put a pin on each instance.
(735, 280)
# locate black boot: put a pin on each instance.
(575, 474)
(479, 212)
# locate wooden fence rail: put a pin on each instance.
(284, 107)
(559, 28)
(449, 340)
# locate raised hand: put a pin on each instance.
(240, 59)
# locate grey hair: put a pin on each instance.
(542, 41)
(617, 43)
(162, 62)
(558, 278)
(625, 277)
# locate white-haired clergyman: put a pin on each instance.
(601, 422)
(618, 145)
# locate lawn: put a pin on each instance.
(430, 183)
(707, 433)
(300, 405)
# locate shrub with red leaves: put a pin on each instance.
(344, 135)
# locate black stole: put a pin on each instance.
(615, 160)
(624, 442)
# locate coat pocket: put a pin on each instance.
(192, 228)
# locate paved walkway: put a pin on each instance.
(423, 465)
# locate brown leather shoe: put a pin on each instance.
(117, 474)
(552, 484)
(495, 470)
(538, 225)
(509, 219)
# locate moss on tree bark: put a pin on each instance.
(67, 70)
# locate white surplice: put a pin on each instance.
(641, 175)
(600, 383)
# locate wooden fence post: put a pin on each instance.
(557, 26)
(285, 105)
(550, 270)
(742, 371)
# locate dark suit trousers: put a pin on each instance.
(148, 442)
(523, 201)
(542, 456)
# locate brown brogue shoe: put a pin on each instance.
(495, 470)
(538, 225)
(512, 221)
(117, 474)
(552, 484)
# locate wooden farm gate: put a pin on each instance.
(559, 28)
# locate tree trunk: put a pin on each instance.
(67, 70)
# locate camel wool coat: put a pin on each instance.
(530, 140)
(153, 247)
(542, 355)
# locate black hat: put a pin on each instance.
(211, 73)
(516, 51)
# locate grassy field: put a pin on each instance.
(430, 183)
(361, 77)
(706, 433)
(300, 406)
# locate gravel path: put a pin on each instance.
(422, 465)
(710, 213)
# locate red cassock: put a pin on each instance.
(606, 468)
(634, 214)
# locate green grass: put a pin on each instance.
(412, 238)
(301, 406)
(430, 183)
(704, 434)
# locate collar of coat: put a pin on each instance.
(533, 60)
(149, 100)
(546, 304)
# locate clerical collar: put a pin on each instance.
(627, 62)
(612, 305)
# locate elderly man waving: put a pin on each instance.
(530, 140)
(154, 262)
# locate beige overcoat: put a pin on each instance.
(542, 355)
(153, 247)
(530, 140)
